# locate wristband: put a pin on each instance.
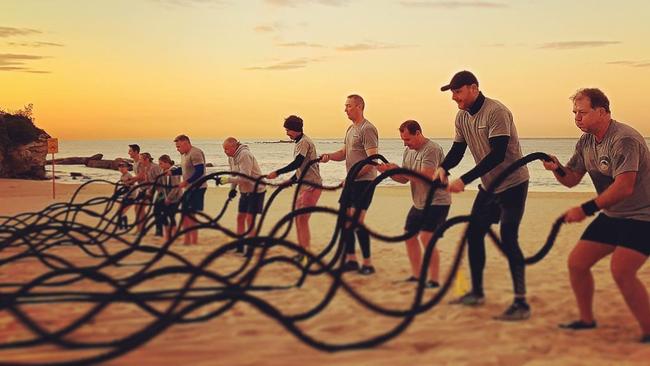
(590, 207)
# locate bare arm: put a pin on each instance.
(335, 156)
(367, 168)
(399, 178)
(570, 179)
(621, 189)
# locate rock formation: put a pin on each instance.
(23, 146)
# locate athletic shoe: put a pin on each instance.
(300, 259)
(350, 266)
(516, 311)
(366, 270)
(412, 279)
(578, 325)
(431, 284)
(645, 339)
(469, 299)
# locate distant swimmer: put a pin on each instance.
(617, 159)
(424, 156)
(487, 127)
(361, 141)
(303, 152)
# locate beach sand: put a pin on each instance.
(446, 334)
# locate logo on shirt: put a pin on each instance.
(603, 164)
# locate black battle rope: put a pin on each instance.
(36, 236)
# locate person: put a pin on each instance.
(170, 197)
(487, 127)
(251, 199)
(303, 152)
(423, 156)
(137, 178)
(129, 194)
(361, 141)
(150, 187)
(617, 159)
(192, 169)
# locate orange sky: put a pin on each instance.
(213, 68)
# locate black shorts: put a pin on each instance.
(628, 233)
(193, 201)
(416, 220)
(252, 203)
(355, 194)
(127, 201)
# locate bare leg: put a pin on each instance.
(302, 229)
(414, 254)
(241, 223)
(366, 261)
(350, 257)
(625, 264)
(139, 216)
(583, 256)
(434, 263)
(188, 225)
(194, 234)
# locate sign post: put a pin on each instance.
(53, 148)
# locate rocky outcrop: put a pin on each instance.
(76, 160)
(25, 161)
(94, 161)
(103, 164)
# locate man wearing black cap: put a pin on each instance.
(487, 127)
(304, 152)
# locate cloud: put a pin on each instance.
(630, 63)
(191, 3)
(301, 44)
(452, 4)
(368, 47)
(572, 45)
(298, 63)
(34, 44)
(294, 3)
(265, 29)
(10, 31)
(17, 62)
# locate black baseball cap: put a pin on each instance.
(461, 78)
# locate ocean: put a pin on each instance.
(272, 155)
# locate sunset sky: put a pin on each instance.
(214, 68)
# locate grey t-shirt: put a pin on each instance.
(306, 148)
(191, 159)
(622, 150)
(136, 167)
(357, 140)
(429, 155)
(245, 163)
(493, 119)
(171, 191)
(153, 171)
(124, 179)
